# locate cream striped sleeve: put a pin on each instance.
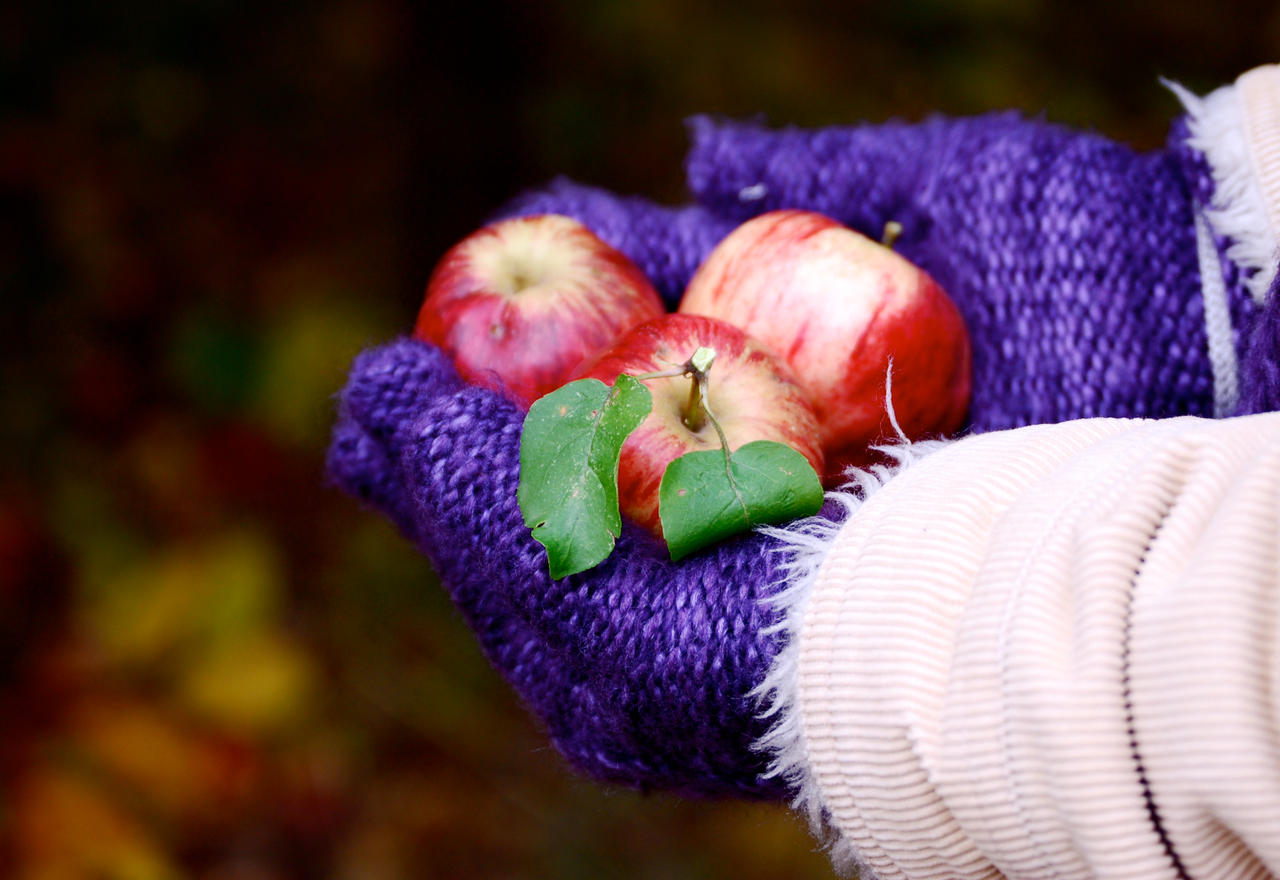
(1047, 653)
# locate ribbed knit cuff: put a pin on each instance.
(788, 741)
(1237, 128)
(1260, 102)
(871, 612)
(1047, 652)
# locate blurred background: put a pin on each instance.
(214, 665)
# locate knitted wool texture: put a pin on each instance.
(1260, 367)
(640, 668)
(1073, 260)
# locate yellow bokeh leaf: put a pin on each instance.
(65, 827)
(263, 683)
(185, 599)
(159, 757)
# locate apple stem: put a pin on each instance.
(892, 232)
(695, 411)
(697, 367)
(698, 412)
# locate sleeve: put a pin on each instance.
(1230, 144)
(1050, 651)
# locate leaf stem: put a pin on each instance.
(711, 417)
(699, 410)
(681, 370)
(701, 379)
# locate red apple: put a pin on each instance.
(520, 303)
(838, 307)
(752, 393)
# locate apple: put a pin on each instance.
(839, 307)
(519, 303)
(752, 393)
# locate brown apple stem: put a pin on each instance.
(697, 367)
(695, 411)
(699, 410)
(892, 232)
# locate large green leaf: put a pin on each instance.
(710, 495)
(569, 449)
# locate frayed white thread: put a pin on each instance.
(888, 403)
(1239, 210)
(753, 193)
(807, 542)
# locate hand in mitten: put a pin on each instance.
(642, 669)
(1088, 283)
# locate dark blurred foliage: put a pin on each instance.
(211, 663)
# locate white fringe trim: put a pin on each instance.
(808, 542)
(1239, 210)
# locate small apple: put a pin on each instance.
(519, 303)
(839, 307)
(752, 393)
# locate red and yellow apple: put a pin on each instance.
(839, 307)
(520, 303)
(752, 393)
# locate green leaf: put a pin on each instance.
(569, 448)
(707, 496)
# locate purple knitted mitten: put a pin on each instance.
(640, 668)
(1260, 361)
(1074, 261)
(1072, 258)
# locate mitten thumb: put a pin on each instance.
(388, 389)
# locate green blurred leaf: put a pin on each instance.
(214, 359)
(707, 496)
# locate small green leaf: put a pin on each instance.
(707, 496)
(569, 448)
